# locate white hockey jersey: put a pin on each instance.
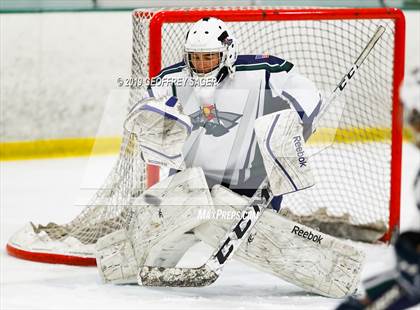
(222, 141)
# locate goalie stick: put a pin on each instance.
(210, 271)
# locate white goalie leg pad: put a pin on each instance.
(115, 258)
(312, 260)
(282, 146)
(117, 261)
(162, 129)
(155, 235)
(169, 252)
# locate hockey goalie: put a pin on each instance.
(226, 128)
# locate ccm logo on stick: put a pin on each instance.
(299, 151)
(247, 221)
(306, 234)
(347, 77)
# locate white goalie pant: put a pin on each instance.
(158, 232)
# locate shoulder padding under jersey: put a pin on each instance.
(262, 62)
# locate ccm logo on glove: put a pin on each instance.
(299, 151)
(306, 234)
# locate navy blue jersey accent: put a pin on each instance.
(171, 69)
(262, 62)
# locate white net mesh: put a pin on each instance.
(352, 175)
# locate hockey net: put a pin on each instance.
(357, 177)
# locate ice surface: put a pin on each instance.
(50, 190)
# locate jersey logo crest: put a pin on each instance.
(209, 111)
(215, 122)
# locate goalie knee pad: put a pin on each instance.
(179, 199)
(155, 235)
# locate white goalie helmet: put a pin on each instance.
(210, 36)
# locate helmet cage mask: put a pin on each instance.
(214, 70)
(208, 36)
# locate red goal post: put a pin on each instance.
(159, 18)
